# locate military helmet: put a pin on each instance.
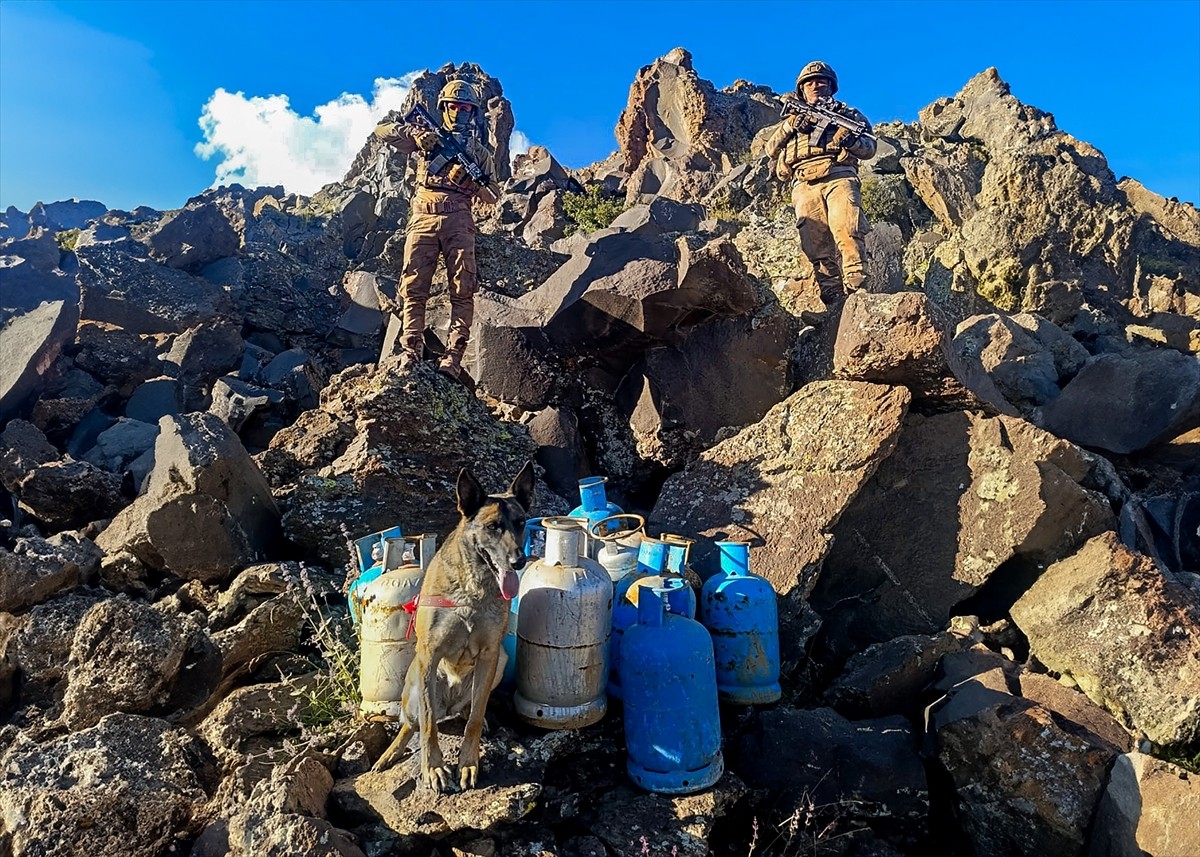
(816, 68)
(458, 90)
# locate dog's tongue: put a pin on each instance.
(510, 584)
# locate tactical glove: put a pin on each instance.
(426, 140)
(843, 139)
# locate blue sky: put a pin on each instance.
(103, 100)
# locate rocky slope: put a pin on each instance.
(976, 490)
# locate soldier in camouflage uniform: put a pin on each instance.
(825, 192)
(441, 224)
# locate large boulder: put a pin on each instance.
(1127, 402)
(127, 786)
(30, 274)
(142, 296)
(193, 237)
(1027, 782)
(960, 497)
(115, 356)
(207, 510)
(1127, 632)
(724, 376)
(37, 568)
(897, 339)
(29, 345)
(125, 656)
(784, 482)
(1149, 807)
(1024, 358)
(626, 291)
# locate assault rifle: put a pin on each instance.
(449, 151)
(822, 114)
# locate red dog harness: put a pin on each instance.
(428, 601)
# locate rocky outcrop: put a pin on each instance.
(677, 127)
(386, 446)
(684, 352)
(129, 785)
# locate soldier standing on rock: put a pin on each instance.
(441, 223)
(825, 192)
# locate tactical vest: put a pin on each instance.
(432, 185)
(811, 163)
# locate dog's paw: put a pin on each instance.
(438, 779)
(468, 775)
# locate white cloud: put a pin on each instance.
(263, 141)
(518, 143)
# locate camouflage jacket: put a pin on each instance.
(400, 137)
(794, 157)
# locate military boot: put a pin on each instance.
(449, 365)
(408, 360)
(853, 281)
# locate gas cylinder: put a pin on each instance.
(620, 538)
(651, 560)
(368, 556)
(385, 650)
(672, 722)
(739, 610)
(563, 626)
(594, 506)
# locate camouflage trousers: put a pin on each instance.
(430, 235)
(833, 233)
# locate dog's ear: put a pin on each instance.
(471, 495)
(522, 486)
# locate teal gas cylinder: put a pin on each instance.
(594, 506)
(739, 610)
(651, 561)
(672, 722)
(368, 557)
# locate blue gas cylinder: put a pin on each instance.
(651, 559)
(535, 548)
(740, 612)
(368, 557)
(672, 722)
(594, 506)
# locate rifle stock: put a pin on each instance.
(450, 151)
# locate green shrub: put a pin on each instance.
(587, 212)
(327, 700)
(885, 199)
(66, 240)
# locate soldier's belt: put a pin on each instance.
(446, 206)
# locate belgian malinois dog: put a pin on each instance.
(460, 620)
